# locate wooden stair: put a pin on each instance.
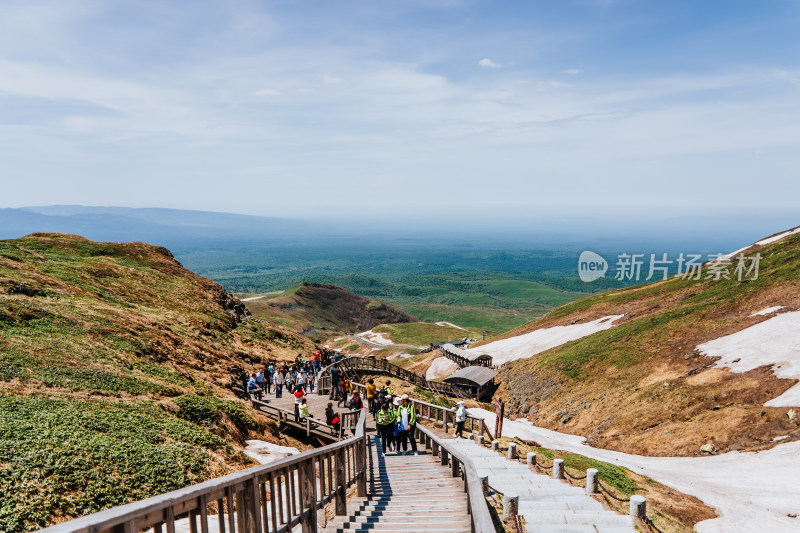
(407, 493)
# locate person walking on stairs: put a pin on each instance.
(406, 419)
(461, 417)
(384, 419)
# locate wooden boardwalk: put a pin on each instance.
(282, 411)
(407, 493)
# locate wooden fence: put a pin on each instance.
(271, 498)
(369, 365)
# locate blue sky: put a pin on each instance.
(394, 109)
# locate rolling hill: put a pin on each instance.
(668, 367)
(318, 310)
(115, 364)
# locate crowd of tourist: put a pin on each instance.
(395, 416)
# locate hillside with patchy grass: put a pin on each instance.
(115, 364)
(646, 385)
(318, 311)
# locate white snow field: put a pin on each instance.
(773, 342)
(441, 367)
(540, 340)
(752, 492)
(375, 338)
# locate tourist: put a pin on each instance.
(334, 383)
(280, 381)
(289, 377)
(298, 399)
(388, 388)
(252, 387)
(343, 392)
(302, 380)
(371, 393)
(461, 417)
(406, 419)
(304, 409)
(260, 379)
(384, 419)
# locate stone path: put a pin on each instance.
(547, 505)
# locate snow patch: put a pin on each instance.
(752, 491)
(375, 338)
(773, 342)
(778, 237)
(267, 452)
(762, 242)
(441, 367)
(782, 437)
(540, 340)
(450, 324)
(768, 311)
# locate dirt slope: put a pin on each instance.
(641, 386)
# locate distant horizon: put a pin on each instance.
(564, 231)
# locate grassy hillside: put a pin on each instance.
(423, 333)
(641, 386)
(114, 367)
(318, 311)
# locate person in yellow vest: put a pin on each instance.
(384, 418)
(406, 419)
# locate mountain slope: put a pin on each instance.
(645, 385)
(319, 310)
(115, 363)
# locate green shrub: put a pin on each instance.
(66, 458)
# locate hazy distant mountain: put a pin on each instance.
(154, 225)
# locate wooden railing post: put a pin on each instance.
(308, 496)
(341, 497)
(361, 467)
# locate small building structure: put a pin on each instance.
(477, 380)
(463, 343)
(466, 358)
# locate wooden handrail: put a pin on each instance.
(355, 363)
(461, 466)
(271, 498)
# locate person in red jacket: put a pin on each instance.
(298, 397)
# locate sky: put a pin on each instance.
(409, 109)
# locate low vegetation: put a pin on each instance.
(115, 363)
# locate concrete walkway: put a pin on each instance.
(547, 505)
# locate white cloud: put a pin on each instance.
(488, 63)
(330, 80)
(571, 71)
(266, 92)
